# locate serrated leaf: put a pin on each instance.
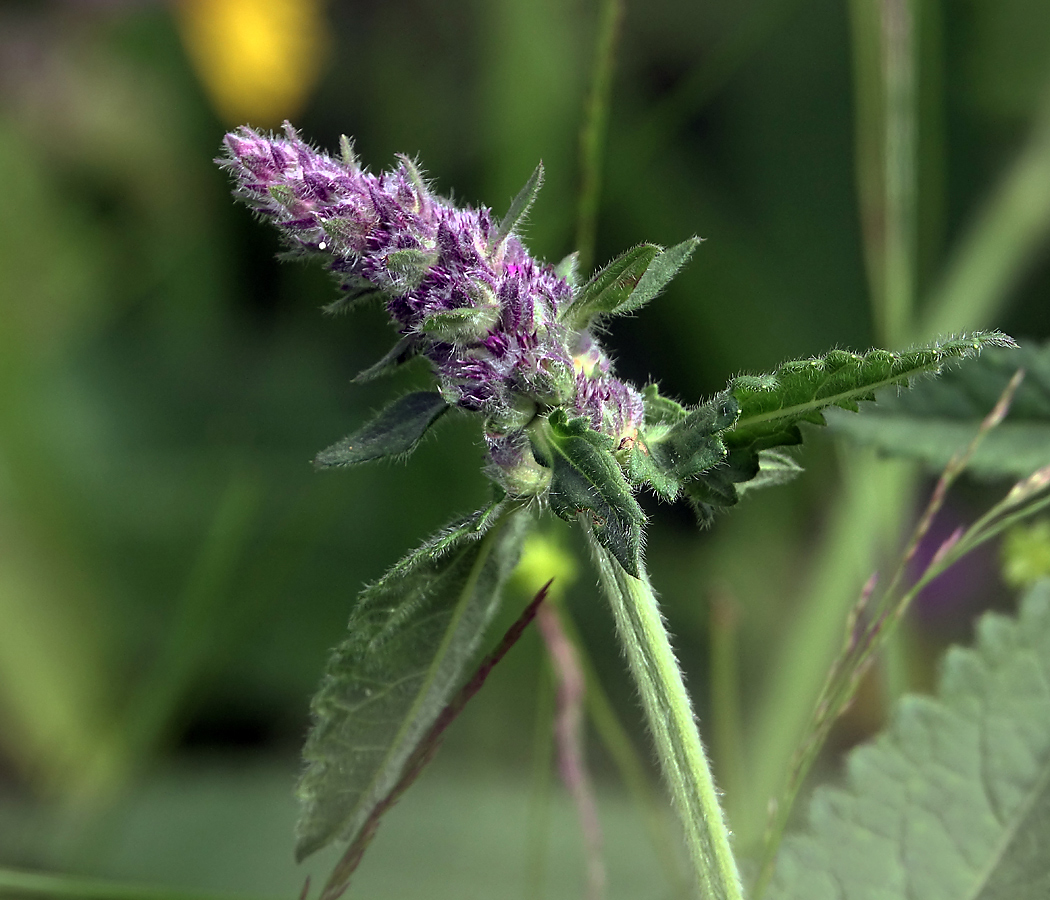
(520, 205)
(772, 406)
(953, 801)
(404, 350)
(609, 288)
(395, 431)
(586, 480)
(936, 418)
(412, 637)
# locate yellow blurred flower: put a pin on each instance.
(258, 59)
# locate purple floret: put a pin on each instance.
(485, 313)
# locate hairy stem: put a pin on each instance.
(673, 726)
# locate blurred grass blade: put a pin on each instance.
(19, 883)
(411, 637)
(198, 624)
(1002, 242)
(594, 131)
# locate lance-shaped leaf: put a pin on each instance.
(394, 432)
(404, 350)
(773, 406)
(609, 288)
(586, 480)
(412, 638)
(519, 206)
(356, 292)
(953, 801)
(937, 418)
(628, 282)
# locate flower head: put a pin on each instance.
(462, 291)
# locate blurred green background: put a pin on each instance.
(172, 571)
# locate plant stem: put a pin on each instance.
(670, 717)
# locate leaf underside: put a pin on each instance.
(412, 637)
(394, 432)
(937, 418)
(953, 801)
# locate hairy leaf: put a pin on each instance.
(772, 406)
(953, 801)
(404, 350)
(520, 205)
(412, 637)
(610, 288)
(937, 418)
(395, 431)
(659, 274)
(774, 468)
(586, 480)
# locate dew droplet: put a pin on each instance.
(323, 245)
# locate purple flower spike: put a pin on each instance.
(478, 307)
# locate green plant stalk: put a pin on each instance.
(670, 717)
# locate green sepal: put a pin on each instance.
(411, 640)
(408, 267)
(520, 206)
(586, 480)
(284, 195)
(569, 268)
(414, 175)
(404, 350)
(347, 154)
(610, 288)
(458, 324)
(394, 432)
(660, 410)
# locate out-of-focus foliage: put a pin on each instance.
(172, 570)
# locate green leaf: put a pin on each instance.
(659, 274)
(404, 350)
(520, 205)
(628, 282)
(953, 801)
(412, 637)
(774, 468)
(937, 418)
(394, 432)
(772, 406)
(586, 480)
(610, 288)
